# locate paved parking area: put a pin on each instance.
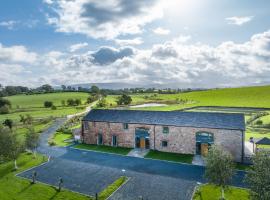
(91, 172)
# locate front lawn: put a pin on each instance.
(211, 192)
(183, 158)
(103, 148)
(12, 187)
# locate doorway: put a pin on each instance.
(100, 139)
(203, 142)
(142, 138)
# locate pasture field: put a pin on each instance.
(33, 105)
(37, 100)
(230, 97)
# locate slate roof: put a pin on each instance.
(170, 118)
(264, 141)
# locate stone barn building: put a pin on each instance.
(172, 131)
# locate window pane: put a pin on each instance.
(165, 129)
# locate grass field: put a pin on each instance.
(62, 139)
(175, 157)
(211, 192)
(234, 97)
(12, 187)
(102, 148)
(33, 105)
(37, 100)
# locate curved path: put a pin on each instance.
(90, 172)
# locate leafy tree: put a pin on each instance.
(48, 104)
(78, 102)
(258, 177)
(70, 102)
(4, 102)
(102, 103)
(124, 100)
(54, 107)
(94, 89)
(46, 88)
(4, 109)
(63, 87)
(32, 140)
(26, 119)
(219, 168)
(8, 123)
(11, 147)
(92, 98)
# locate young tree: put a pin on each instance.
(11, 147)
(95, 90)
(8, 123)
(48, 104)
(78, 102)
(258, 177)
(32, 140)
(70, 102)
(124, 100)
(102, 103)
(219, 168)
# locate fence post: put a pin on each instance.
(96, 196)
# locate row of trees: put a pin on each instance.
(12, 146)
(220, 169)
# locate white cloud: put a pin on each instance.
(161, 31)
(16, 54)
(127, 42)
(239, 20)
(76, 47)
(106, 19)
(8, 24)
(174, 62)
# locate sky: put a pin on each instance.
(186, 43)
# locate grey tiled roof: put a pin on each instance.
(173, 118)
(264, 141)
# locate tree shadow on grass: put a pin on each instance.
(55, 194)
(25, 188)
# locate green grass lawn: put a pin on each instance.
(175, 157)
(103, 148)
(61, 139)
(111, 188)
(12, 187)
(211, 192)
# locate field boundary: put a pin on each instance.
(226, 107)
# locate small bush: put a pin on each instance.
(51, 142)
(54, 108)
(4, 109)
(48, 104)
(259, 122)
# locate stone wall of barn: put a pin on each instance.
(179, 139)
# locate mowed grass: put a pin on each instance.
(103, 148)
(37, 100)
(211, 192)
(62, 139)
(175, 157)
(12, 187)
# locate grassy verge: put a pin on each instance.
(13, 187)
(184, 158)
(61, 139)
(103, 148)
(112, 188)
(211, 192)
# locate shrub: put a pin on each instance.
(51, 142)
(259, 122)
(8, 123)
(4, 109)
(48, 104)
(54, 107)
